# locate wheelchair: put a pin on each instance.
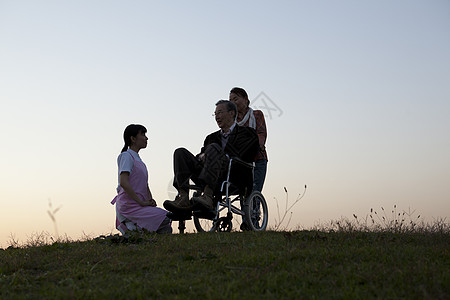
(234, 191)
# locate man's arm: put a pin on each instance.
(244, 145)
(211, 138)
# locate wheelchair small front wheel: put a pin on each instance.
(224, 224)
(255, 212)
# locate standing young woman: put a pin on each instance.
(255, 119)
(135, 206)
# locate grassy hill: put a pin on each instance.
(345, 264)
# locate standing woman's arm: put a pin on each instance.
(261, 129)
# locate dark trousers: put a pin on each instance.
(259, 174)
(207, 172)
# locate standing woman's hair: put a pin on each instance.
(241, 92)
(131, 130)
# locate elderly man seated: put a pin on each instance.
(210, 165)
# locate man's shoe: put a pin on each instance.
(204, 202)
(179, 205)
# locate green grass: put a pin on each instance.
(328, 264)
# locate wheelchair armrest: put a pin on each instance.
(195, 187)
(240, 161)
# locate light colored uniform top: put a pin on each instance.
(125, 163)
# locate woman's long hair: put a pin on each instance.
(240, 92)
(131, 130)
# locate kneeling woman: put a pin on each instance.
(135, 206)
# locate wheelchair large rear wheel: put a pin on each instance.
(255, 212)
(204, 225)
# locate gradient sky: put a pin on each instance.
(356, 96)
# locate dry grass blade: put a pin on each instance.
(281, 219)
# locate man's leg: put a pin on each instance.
(216, 163)
(185, 166)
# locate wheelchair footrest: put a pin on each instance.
(205, 214)
(179, 216)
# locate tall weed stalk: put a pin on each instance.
(287, 210)
(52, 212)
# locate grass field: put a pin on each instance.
(304, 264)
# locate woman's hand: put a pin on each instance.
(150, 202)
(143, 202)
(125, 184)
(153, 202)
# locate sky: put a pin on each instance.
(356, 97)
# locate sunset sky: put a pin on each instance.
(356, 96)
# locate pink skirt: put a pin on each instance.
(147, 217)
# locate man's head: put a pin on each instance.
(225, 114)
